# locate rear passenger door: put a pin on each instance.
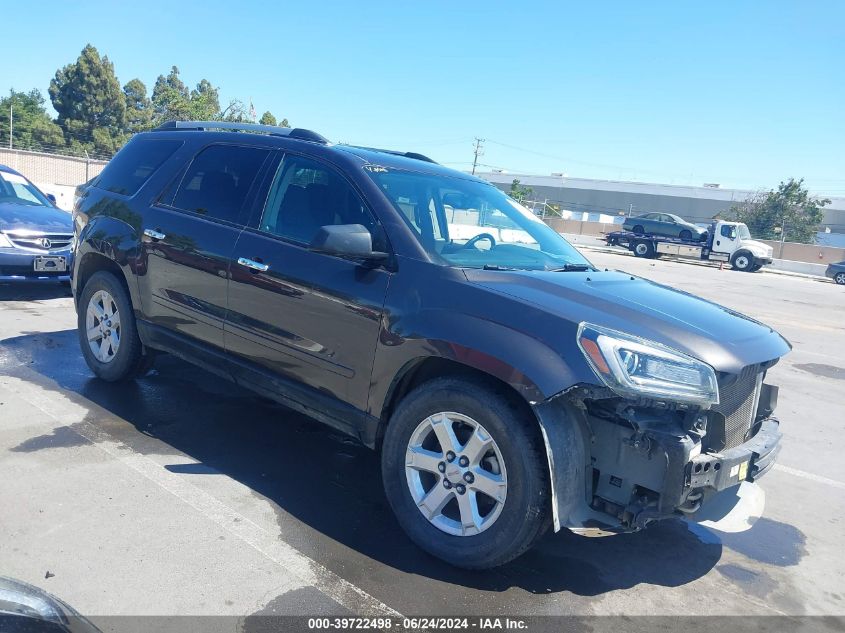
(306, 326)
(189, 235)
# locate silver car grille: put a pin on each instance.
(738, 403)
(39, 241)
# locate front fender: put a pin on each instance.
(525, 363)
(112, 238)
(433, 312)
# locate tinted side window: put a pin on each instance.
(217, 181)
(728, 231)
(134, 164)
(306, 195)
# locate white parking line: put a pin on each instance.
(65, 411)
(805, 475)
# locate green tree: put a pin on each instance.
(205, 102)
(87, 97)
(518, 192)
(268, 119)
(171, 99)
(139, 110)
(790, 209)
(33, 128)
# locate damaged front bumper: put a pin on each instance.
(621, 473)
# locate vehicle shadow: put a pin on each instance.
(30, 291)
(319, 478)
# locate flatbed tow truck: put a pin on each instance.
(724, 242)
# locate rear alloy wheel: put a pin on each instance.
(102, 325)
(639, 229)
(743, 261)
(686, 234)
(839, 278)
(107, 333)
(466, 474)
(644, 249)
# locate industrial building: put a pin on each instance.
(614, 199)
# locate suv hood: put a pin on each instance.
(726, 340)
(20, 217)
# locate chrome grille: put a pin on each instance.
(55, 241)
(738, 403)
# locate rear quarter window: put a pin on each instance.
(127, 172)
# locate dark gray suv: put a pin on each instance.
(509, 385)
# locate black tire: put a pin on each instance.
(644, 248)
(756, 267)
(839, 278)
(638, 230)
(130, 360)
(743, 261)
(686, 234)
(526, 511)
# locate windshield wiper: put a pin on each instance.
(571, 268)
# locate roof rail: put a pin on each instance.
(414, 155)
(272, 130)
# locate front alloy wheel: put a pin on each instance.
(456, 474)
(840, 279)
(466, 472)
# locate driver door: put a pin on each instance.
(304, 322)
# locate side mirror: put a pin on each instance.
(352, 241)
(52, 199)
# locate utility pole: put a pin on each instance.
(477, 152)
(11, 121)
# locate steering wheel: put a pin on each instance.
(481, 236)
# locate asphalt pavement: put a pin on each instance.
(181, 493)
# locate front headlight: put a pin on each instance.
(4, 241)
(632, 366)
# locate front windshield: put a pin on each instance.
(18, 190)
(743, 232)
(471, 224)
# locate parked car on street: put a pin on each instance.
(666, 224)
(508, 384)
(836, 272)
(35, 236)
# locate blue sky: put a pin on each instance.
(739, 93)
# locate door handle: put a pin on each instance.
(254, 265)
(155, 235)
